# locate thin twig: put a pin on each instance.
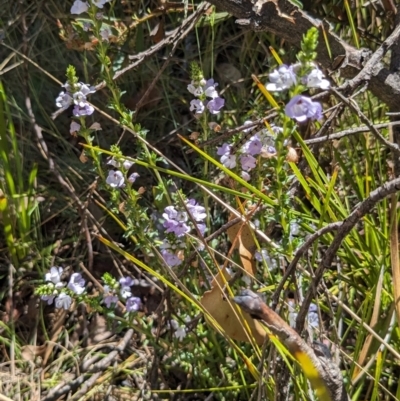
(353, 106)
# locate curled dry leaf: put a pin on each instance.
(227, 314)
(30, 352)
(242, 239)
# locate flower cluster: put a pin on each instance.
(203, 89)
(300, 107)
(76, 95)
(264, 256)
(178, 222)
(122, 288)
(312, 316)
(80, 7)
(56, 291)
(260, 143)
(116, 178)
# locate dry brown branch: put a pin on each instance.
(288, 22)
(328, 372)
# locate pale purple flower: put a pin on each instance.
(170, 258)
(54, 276)
(79, 7)
(64, 100)
(115, 179)
(315, 79)
(196, 211)
(215, 105)
(86, 26)
(301, 108)
(76, 283)
(63, 301)
(85, 89)
(109, 297)
(170, 213)
(248, 162)
(133, 304)
(126, 281)
(74, 127)
(267, 151)
(202, 228)
(47, 298)
(253, 146)
(110, 300)
(197, 106)
(132, 178)
(86, 110)
(224, 149)
(178, 228)
(281, 79)
(227, 159)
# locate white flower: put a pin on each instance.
(229, 161)
(100, 3)
(79, 99)
(315, 79)
(292, 313)
(54, 276)
(180, 333)
(79, 7)
(210, 90)
(115, 179)
(245, 175)
(126, 164)
(126, 292)
(195, 89)
(63, 301)
(64, 100)
(76, 283)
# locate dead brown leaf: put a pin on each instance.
(242, 239)
(226, 314)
